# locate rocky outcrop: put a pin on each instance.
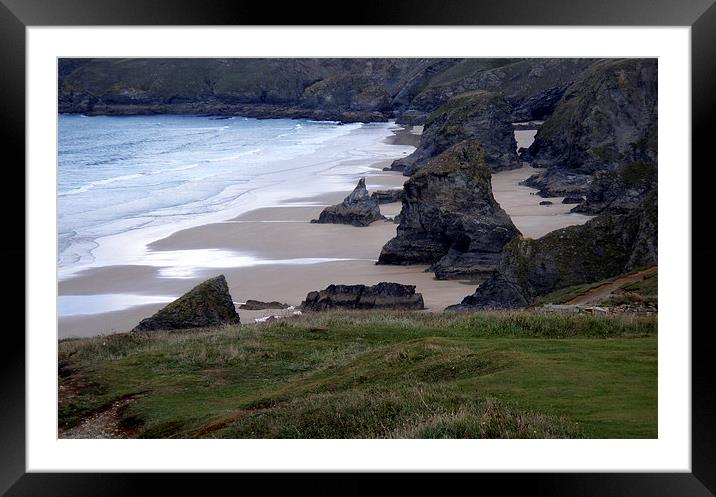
(620, 190)
(450, 219)
(387, 196)
(605, 120)
(606, 246)
(357, 209)
(380, 296)
(572, 200)
(207, 304)
(480, 116)
(532, 87)
(257, 305)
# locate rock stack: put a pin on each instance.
(207, 304)
(357, 209)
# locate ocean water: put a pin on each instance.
(126, 181)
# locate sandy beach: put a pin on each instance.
(275, 253)
(522, 204)
(271, 253)
(280, 233)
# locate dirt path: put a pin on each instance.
(106, 423)
(598, 294)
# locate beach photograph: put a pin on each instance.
(357, 248)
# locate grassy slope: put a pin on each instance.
(340, 375)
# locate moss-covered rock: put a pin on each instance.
(481, 116)
(450, 218)
(207, 304)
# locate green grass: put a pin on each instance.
(377, 374)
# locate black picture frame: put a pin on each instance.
(700, 15)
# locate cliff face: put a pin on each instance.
(350, 89)
(605, 246)
(481, 116)
(605, 121)
(449, 217)
(330, 89)
(531, 87)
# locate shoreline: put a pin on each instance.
(267, 253)
(351, 154)
(273, 252)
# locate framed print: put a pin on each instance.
(423, 240)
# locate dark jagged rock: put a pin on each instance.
(620, 190)
(607, 118)
(450, 219)
(358, 209)
(606, 246)
(387, 196)
(572, 200)
(480, 116)
(207, 304)
(257, 305)
(381, 296)
(495, 293)
(545, 202)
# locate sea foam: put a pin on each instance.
(124, 182)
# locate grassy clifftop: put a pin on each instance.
(368, 375)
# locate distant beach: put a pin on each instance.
(270, 251)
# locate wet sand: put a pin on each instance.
(286, 283)
(279, 240)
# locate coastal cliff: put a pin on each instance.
(347, 90)
(449, 217)
(605, 121)
(606, 246)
